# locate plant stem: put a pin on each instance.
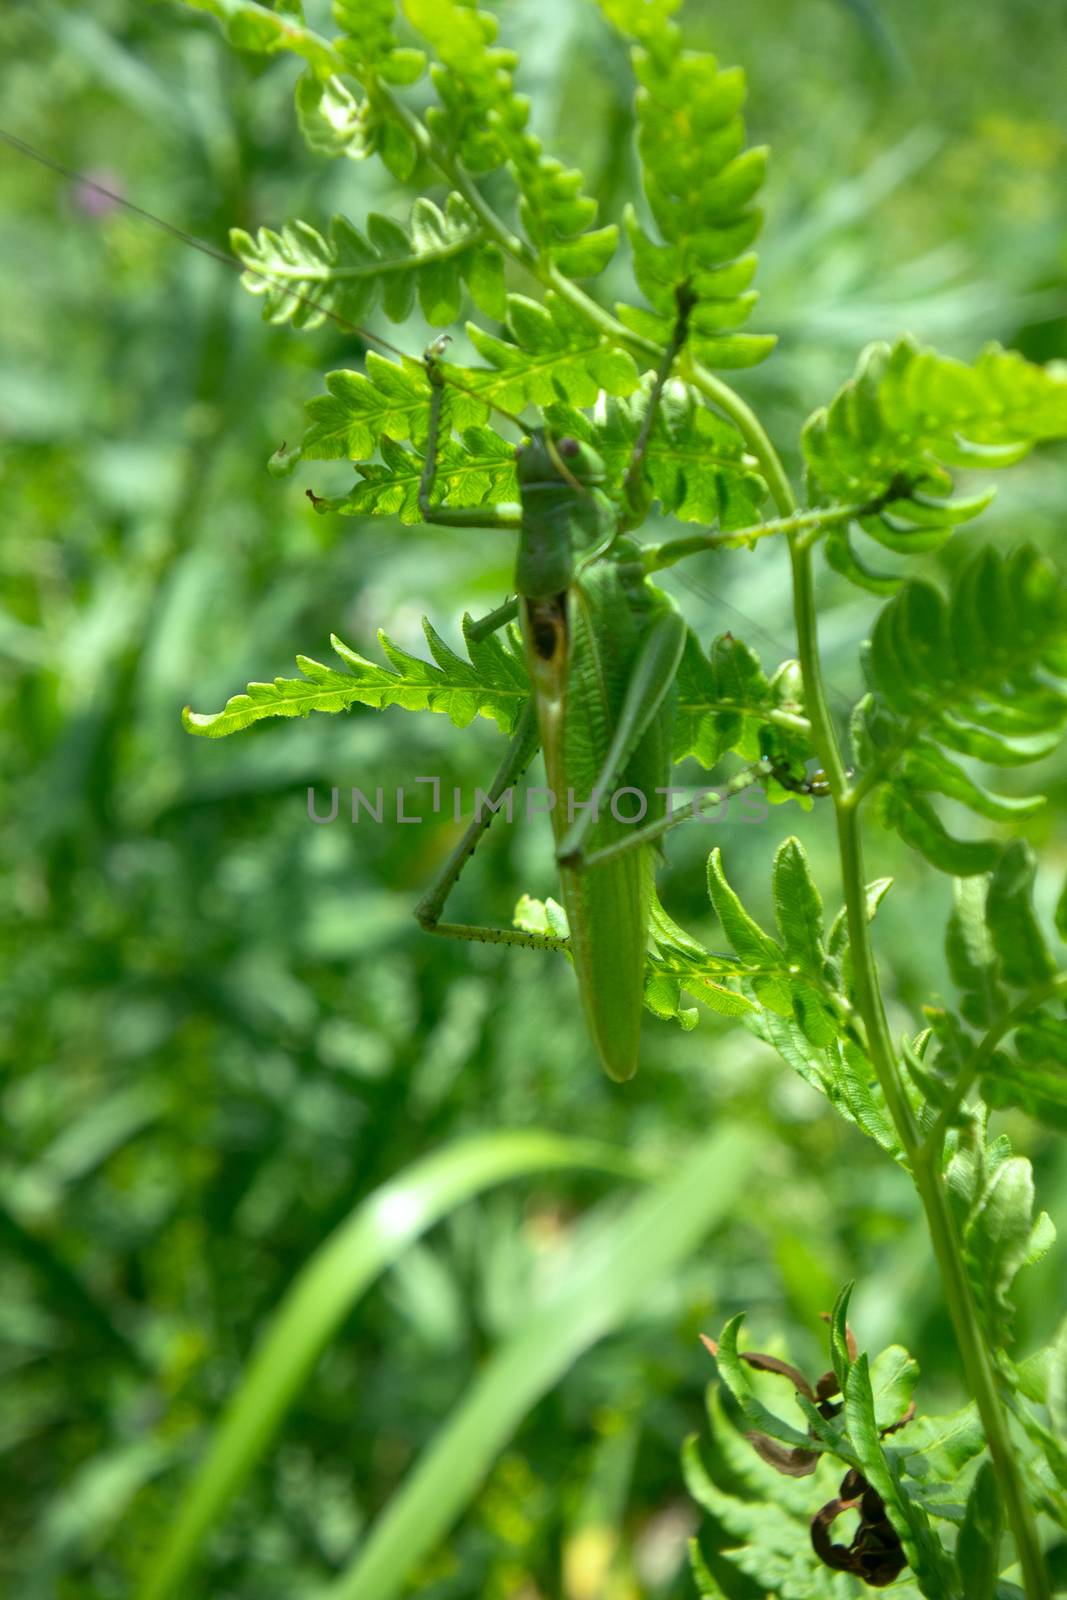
(657, 556)
(823, 734)
(924, 1162)
(981, 1379)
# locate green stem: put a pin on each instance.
(822, 727)
(657, 556)
(925, 1165)
(981, 1379)
(752, 431)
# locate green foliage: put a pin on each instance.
(699, 181)
(803, 989)
(892, 435)
(759, 1534)
(336, 122)
(388, 399)
(223, 1031)
(370, 51)
(551, 356)
(976, 675)
(795, 992)
(370, 42)
(610, 1274)
(476, 470)
(978, 1545)
(266, 31)
(694, 465)
(769, 1492)
(304, 277)
(726, 702)
(993, 1193)
(491, 683)
(1010, 1033)
(373, 1237)
(482, 121)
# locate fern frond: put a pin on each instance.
(483, 121)
(333, 121)
(1011, 995)
(778, 981)
(391, 399)
(992, 1192)
(726, 702)
(760, 1546)
(646, 21)
(981, 675)
(370, 43)
(678, 966)
(694, 464)
(476, 470)
(303, 276)
(802, 989)
(894, 432)
(700, 183)
(491, 683)
(551, 355)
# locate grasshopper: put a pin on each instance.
(602, 646)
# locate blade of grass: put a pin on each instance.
(612, 1276)
(355, 1254)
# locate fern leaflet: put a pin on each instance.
(980, 675)
(894, 432)
(492, 683)
(700, 183)
(304, 276)
(483, 121)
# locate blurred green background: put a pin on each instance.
(220, 1025)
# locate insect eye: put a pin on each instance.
(569, 447)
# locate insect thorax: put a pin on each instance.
(559, 523)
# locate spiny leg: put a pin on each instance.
(480, 628)
(651, 831)
(525, 740)
(505, 516)
(653, 673)
(520, 752)
(685, 300)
